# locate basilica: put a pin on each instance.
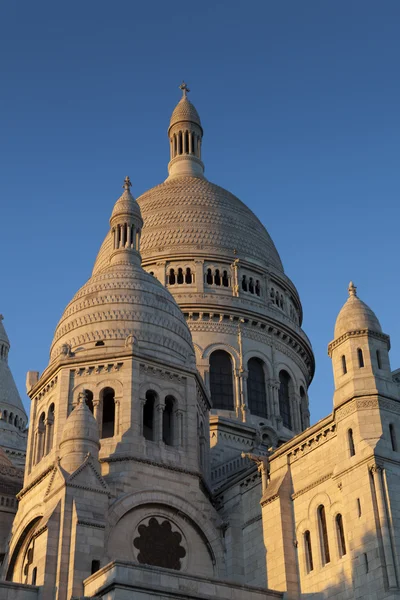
(169, 452)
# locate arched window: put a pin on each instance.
(378, 359)
(277, 298)
(186, 142)
(40, 437)
(168, 421)
(308, 552)
(360, 358)
(352, 448)
(257, 397)
(281, 301)
(5, 415)
(344, 366)
(180, 142)
(225, 279)
(209, 277)
(221, 380)
(50, 429)
(393, 438)
(171, 278)
(303, 408)
(180, 276)
(340, 535)
(244, 283)
(108, 420)
(10, 418)
(258, 288)
(217, 277)
(284, 399)
(89, 400)
(323, 535)
(251, 285)
(188, 276)
(148, 415)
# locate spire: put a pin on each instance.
(185, 135)
(352, 289)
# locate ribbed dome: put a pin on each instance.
(123, 300)
(126, 205)
(356, 315)
(189, 214)
(184, 111)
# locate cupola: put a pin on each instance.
(80, 437)
(185, 136)
(359, 352)
(126, 227)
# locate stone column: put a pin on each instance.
(179, 427)
(158, 432)
(129, 241)
(275, 385)
(199, 280)
(377, 473)
(237, 394)
(117, 403)
(243, 395)
(235, 277)
(142, 402)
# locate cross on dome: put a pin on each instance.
(127, 183)
(352, 289)
(184, 89)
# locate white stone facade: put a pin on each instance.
(169, 451)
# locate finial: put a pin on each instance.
(82, 397)
(127, 183)
(184, 89)
(352, 289)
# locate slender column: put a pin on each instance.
(243, 394)
(117, 402)
(179, 423)
(141, 408)
(184, 142)
(96, 404)
(159, 423)
(275, 385)
(235, 274)
(123, 236)
(238, 395)
(190, 142)
(129, 240)
(377, 472)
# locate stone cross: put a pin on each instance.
(127, 183)
(184, 89)
(352, 289)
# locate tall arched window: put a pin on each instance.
(221, 380)
(89, 400)
(257, 397)
(171, 277)
(323, 535)
(340, 535)
(352, 448)
(258, 288)
(244, 283)
(225, 279)
(344, 366)
(360, 358)
(180, 276)
(168, 421)
(148, 415)
(108, 419)
(378, 359)
(284, 399)
(251, 285)
(209, 277)
(40, 440)
(217, 277)
(308, 552)
(393, 438)
(50, 429)
(188, 276)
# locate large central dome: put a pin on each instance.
(190, 213)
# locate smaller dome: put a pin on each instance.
(81, 426)
(126, 203)
(355, 315)
(184, 111)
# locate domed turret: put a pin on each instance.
(185, 135)
(355, 315)
(13, 418)
(80, 437)
(122, 302)
(359, 352)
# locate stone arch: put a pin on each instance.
(227, 348)
(268, 369)
(129, 502)
(22, 536)
(110, 382)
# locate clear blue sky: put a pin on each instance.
(300, 105)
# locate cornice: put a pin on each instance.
(357, 333)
